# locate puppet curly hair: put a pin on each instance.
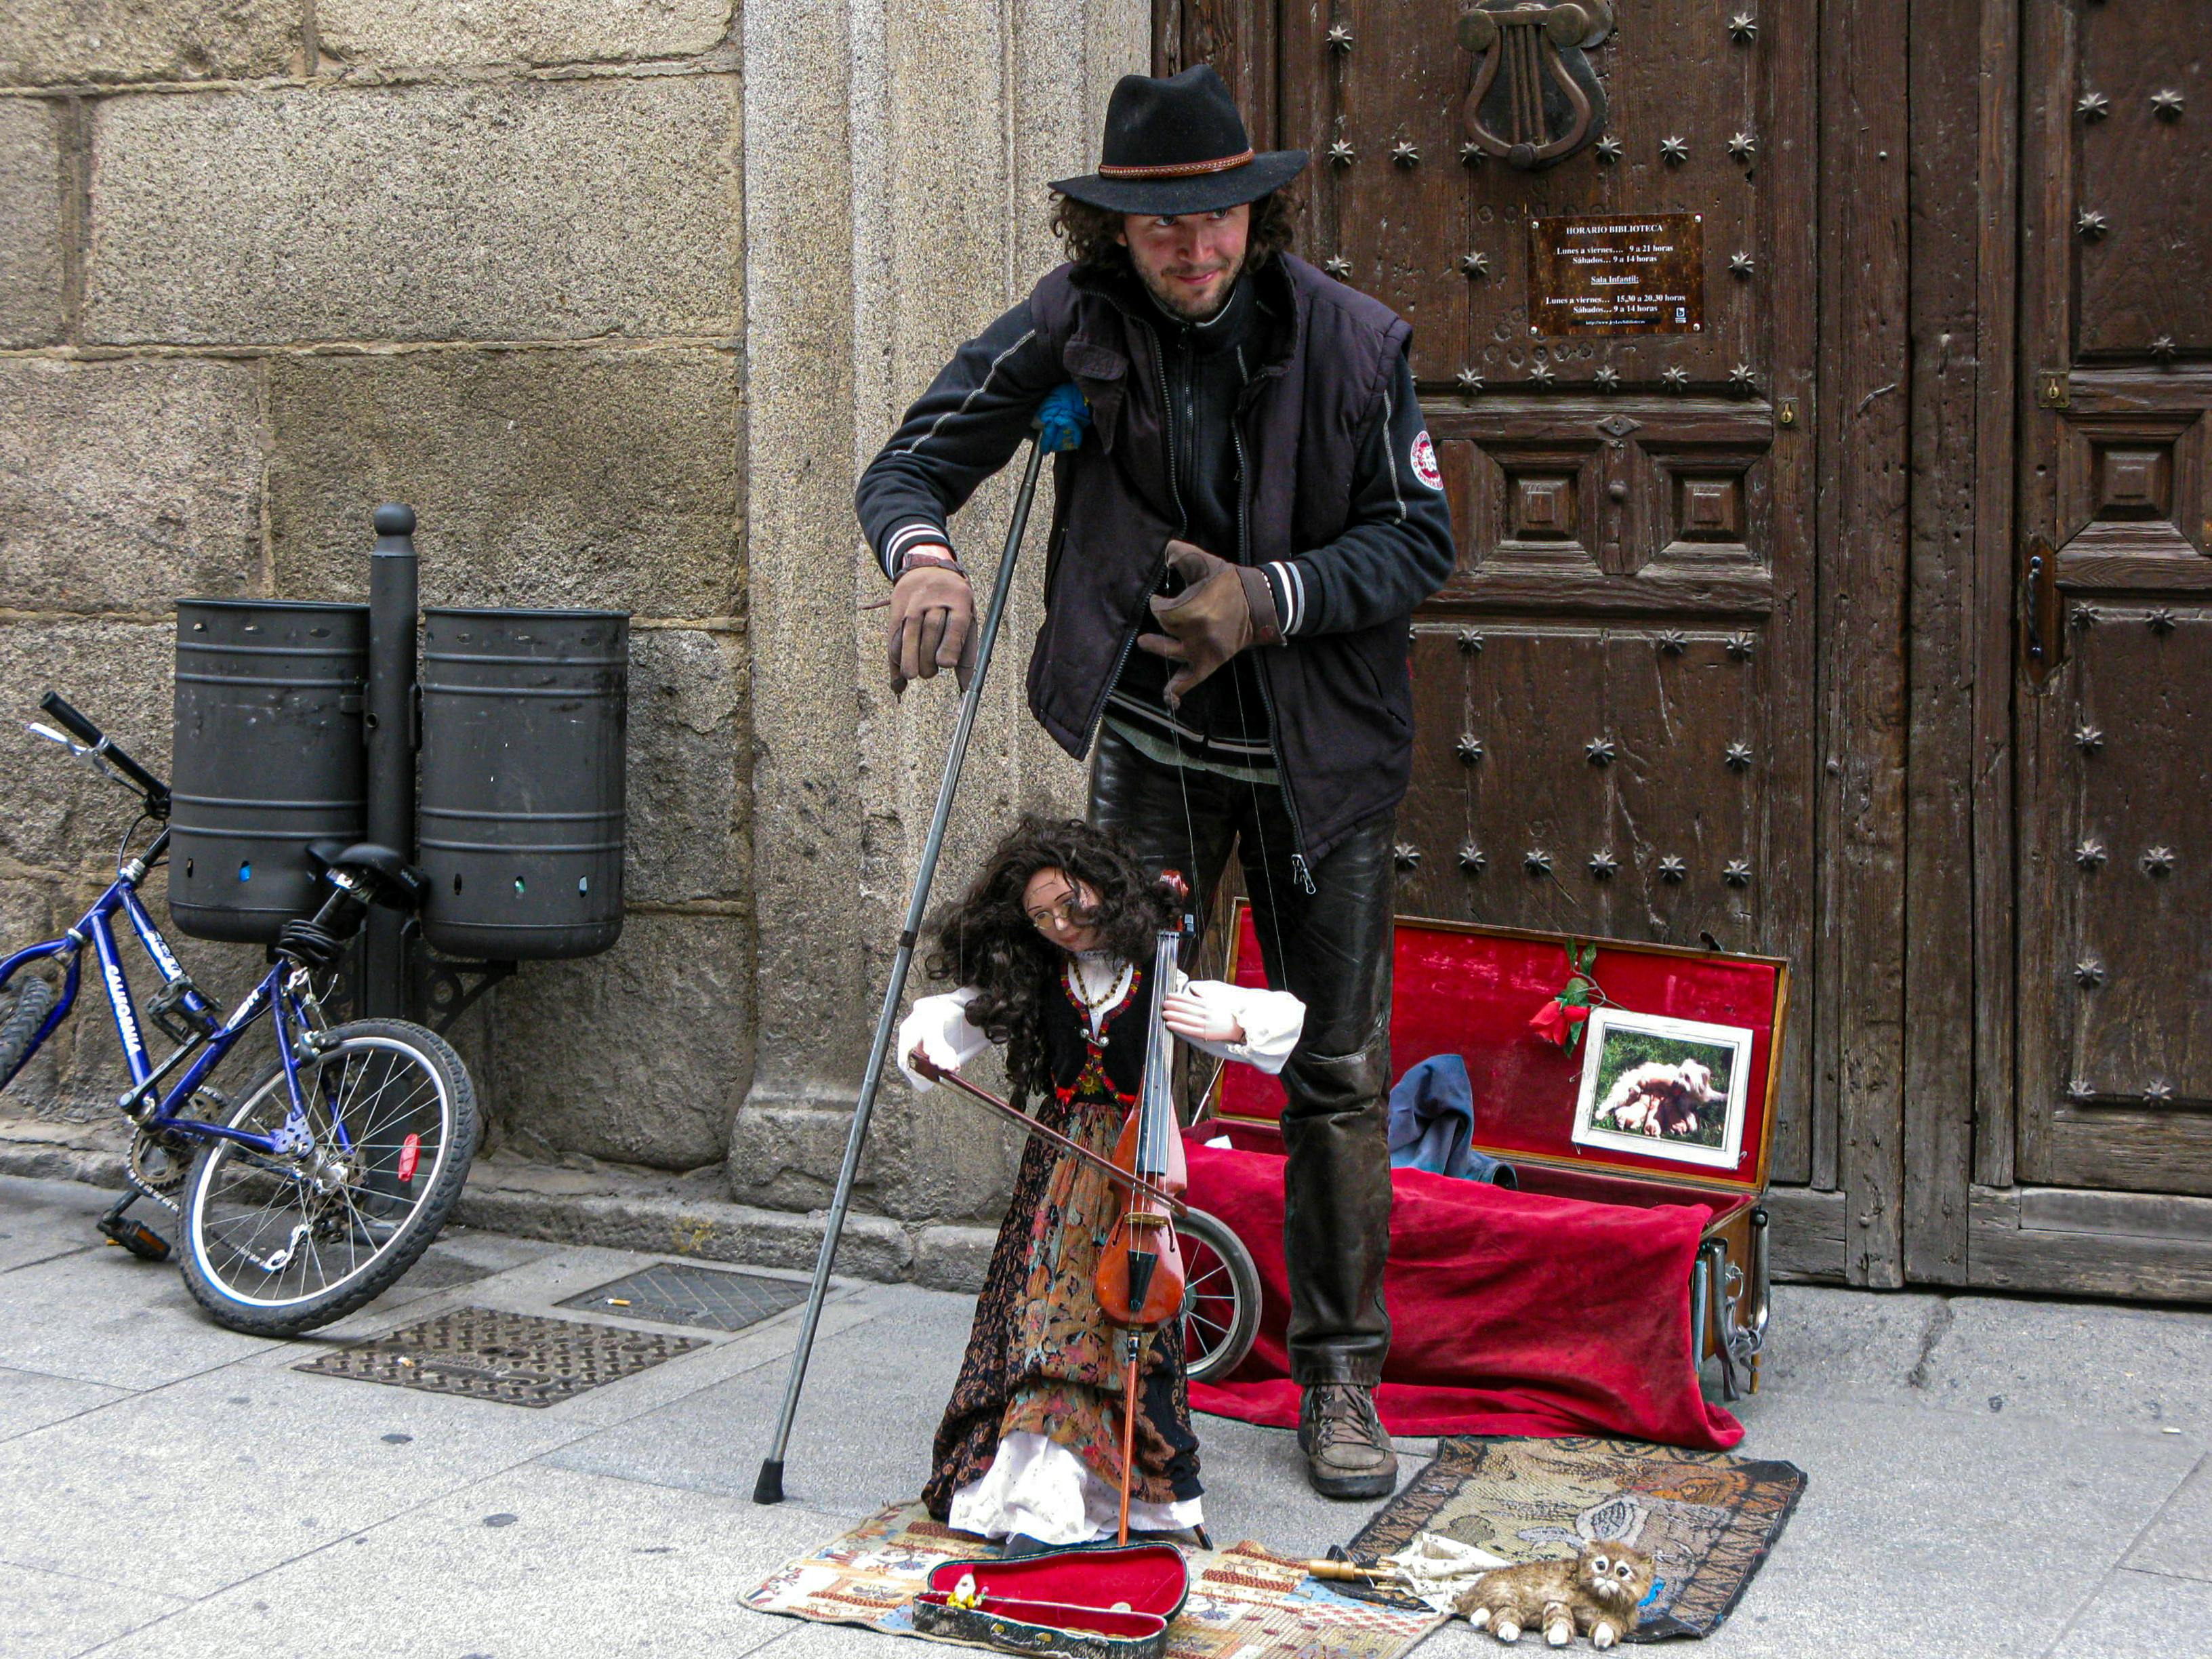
(985, 939)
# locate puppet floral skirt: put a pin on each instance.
(1040, 1360)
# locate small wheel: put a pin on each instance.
(24, 1004)
(275, 1246)
(1221, 1298)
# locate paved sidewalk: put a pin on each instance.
(1988, 1477)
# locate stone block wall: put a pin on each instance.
(263, 266)
(620, 297)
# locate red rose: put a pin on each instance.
(1555, 1021)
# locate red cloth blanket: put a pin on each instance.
(1510, 1313)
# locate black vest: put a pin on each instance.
(1341, 704)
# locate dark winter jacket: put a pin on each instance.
(1340, 501)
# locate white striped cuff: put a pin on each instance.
(1290, 584)
(900, 537)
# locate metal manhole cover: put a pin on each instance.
(677, 1293)
(517, 1360)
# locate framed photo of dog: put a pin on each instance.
(1664, 1087)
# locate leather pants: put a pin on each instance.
(1331, 949)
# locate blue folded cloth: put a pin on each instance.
(1062, 418)
(1433, 1123)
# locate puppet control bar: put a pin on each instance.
(768, 1489)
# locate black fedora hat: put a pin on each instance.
(1178, 146)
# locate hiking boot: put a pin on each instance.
(1347, 1452)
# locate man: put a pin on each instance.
(1236, 548)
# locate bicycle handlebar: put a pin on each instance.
(156, 791)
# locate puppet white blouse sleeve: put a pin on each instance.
(1273, 1021)
(939, 1027)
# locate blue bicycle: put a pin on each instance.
(309, 1194)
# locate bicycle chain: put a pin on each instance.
(158, 1168)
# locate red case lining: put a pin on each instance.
(1471, 991)
(1077, 1588)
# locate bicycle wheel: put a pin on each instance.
(1221, 1297)
(275, 1246)
(24, 1006)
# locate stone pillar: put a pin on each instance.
(897, 160)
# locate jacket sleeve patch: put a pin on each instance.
(1425, 462)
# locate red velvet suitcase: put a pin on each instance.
(1471, 991)
(1084, 1603)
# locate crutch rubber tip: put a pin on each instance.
(768, 1489)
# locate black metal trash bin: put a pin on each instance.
(525, 721)
(267, 759)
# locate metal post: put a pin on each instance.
(768, 1489)
(391, 738)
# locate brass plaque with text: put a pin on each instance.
(1622, 273)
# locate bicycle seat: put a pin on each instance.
(391, 880)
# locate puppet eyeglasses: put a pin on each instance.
(1068, 912)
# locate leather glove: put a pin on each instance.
(1222, 609)
(932, 625)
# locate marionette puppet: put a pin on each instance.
(1052, 948)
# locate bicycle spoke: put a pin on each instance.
(253, 1208)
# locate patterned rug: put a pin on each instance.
(1707, 1519)
(1244, 1603)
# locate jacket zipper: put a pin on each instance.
(1299, 868)
(1183, 529)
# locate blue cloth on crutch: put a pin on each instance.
(1062, 418)
(1433, 1123)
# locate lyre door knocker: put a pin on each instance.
(1535, 99)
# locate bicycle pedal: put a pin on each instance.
(136, 1236)
(167, 1009)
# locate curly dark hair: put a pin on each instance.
(1088, 233)
(985, 939)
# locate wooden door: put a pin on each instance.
(1615, 694)
(2114, 726)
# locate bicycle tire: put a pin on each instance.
(211, 1241)
(24, 1006)
(1221, 1298)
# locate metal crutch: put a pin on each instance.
(768, 1489)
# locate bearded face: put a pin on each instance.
(1189, 261)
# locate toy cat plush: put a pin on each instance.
(1597, 1592)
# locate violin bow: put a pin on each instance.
(936, 1074)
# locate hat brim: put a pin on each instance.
(1203, 192)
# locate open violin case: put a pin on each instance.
(1090, 1602)
(1471, 991)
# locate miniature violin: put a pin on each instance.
(1140, 1280)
